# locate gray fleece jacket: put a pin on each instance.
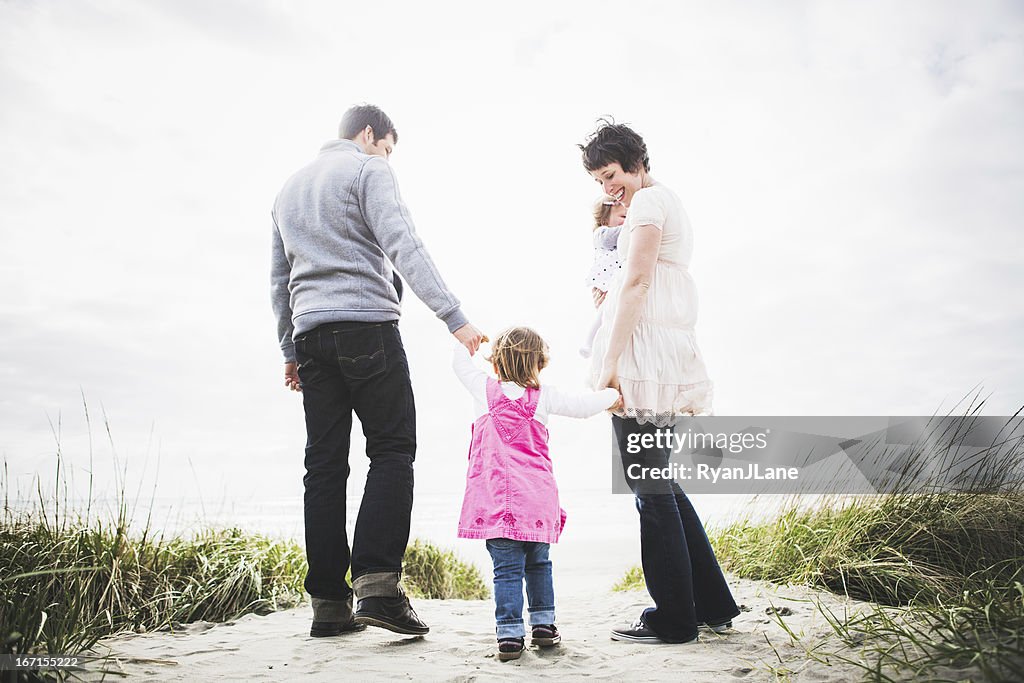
(340, 231)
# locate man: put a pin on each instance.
(340, 232)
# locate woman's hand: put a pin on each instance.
(609, 377)
(598, 296)
(619, 406)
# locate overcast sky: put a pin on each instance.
(853, 172)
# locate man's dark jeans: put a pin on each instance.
(362, 367)
(680, 568)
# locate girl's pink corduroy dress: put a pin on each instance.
(510, 488)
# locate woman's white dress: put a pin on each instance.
(661, 371)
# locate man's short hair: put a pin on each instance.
(362, 115)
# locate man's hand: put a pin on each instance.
(598, 296)
(291, 376)
(470, 337)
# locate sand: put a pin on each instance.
(461, 646)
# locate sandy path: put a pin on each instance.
(460, 646)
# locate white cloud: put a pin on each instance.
(853, 172)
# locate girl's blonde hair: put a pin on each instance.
(603, 211)
(518, 355)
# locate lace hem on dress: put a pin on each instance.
(673, 401)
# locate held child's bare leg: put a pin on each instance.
(588, 345)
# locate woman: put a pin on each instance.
(646, 347)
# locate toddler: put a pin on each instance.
(511, 498)
(609, 215)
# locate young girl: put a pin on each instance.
(609, 216)
(511, 497)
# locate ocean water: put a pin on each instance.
(600, 541)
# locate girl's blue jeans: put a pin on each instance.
(515, 561)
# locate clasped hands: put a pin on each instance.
(470, 337)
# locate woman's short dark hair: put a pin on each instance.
(363, 115)
(615, 142)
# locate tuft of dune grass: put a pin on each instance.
(894, 550)
(434, 573)
(62, 588)
(945, 570)
(70, 576)
(632, 580)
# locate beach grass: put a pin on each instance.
(943, 574)
(438, 574)
(65, 585)
(943, 571)
(893, 550)
(74, 572)
(632, 580)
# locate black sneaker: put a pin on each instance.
(716, 626)
(636, 632)
(545, 635)
(510, 648)
(639, 632)
(394, 614)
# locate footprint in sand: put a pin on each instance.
(781, 611)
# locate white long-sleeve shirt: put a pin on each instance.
(552, 401)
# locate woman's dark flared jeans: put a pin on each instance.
(680, 569)
(362, 367)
